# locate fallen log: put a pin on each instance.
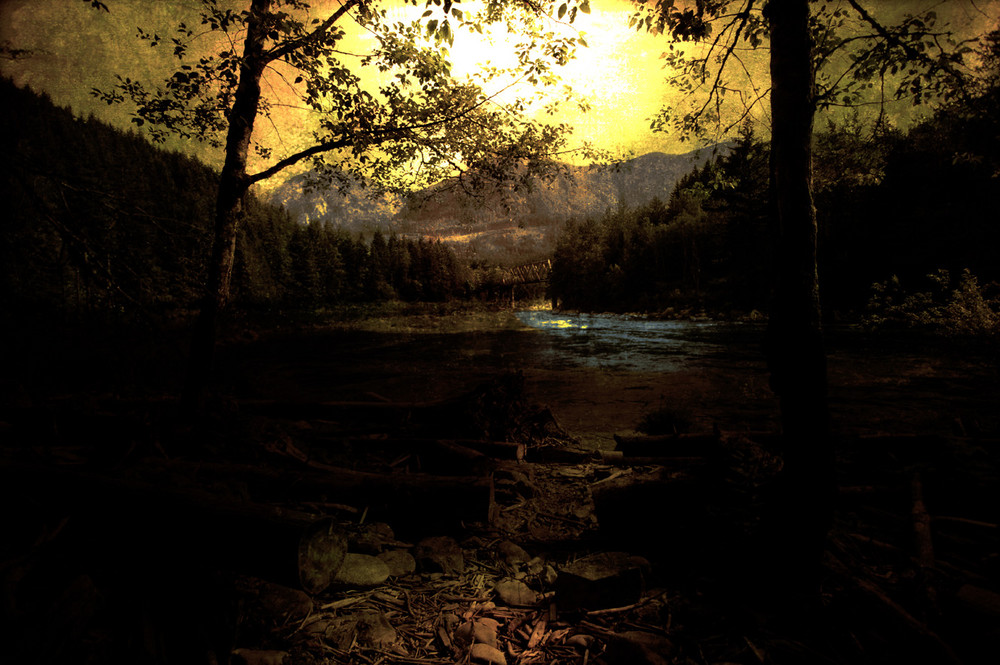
(475, 453)
(496, 410)
(397, 498)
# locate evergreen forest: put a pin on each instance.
(906, 219)
(103, 226)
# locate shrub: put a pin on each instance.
(965, 310)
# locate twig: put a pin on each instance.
(963, 520)
(626, 608)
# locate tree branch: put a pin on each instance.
(911, 53)
(295, 44)
(744, 17)
(376, 136)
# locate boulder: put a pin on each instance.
(399, 562)
(440, 554)
(601, 580)
(516, 592)
(361, 570)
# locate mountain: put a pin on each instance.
(491, 228)
(351, 208)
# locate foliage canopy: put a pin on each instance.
(373, 83)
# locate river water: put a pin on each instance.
(633, 343)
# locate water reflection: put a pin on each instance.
(622, 342)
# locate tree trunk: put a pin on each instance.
(233, 186)
(797, 520)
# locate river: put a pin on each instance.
(601, 373)
(633, 343)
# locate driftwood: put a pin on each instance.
(617, 458)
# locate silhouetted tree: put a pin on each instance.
(420, 114)
(804, 77)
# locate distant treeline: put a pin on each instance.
(889, 203)
(99, 222)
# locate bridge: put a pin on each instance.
(508, 284)
(528, 273)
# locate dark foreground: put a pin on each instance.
(408, 490)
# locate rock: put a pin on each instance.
(361, 570)
(373, 538)
(322, 549)
(445, 627)
(477, 631)
(536, 566)
(366, 627)
(605, 579)
(374, 629)
(400, 562)
(484, 653)
(440, 554)
(274, 600)
(512, 553)
(515, 592)
(340, 631)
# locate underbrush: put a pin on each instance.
(961, 308)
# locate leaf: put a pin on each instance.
(562, 10)
(585, 6)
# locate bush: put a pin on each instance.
(966, 309)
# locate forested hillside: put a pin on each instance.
(493, 227)
(894, 207)
(100, 223)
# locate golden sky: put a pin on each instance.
(75, 48)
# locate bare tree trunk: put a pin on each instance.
(233, 186)
(798, 518)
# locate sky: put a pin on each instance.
(621, 74)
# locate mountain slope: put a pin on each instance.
(496, 229)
